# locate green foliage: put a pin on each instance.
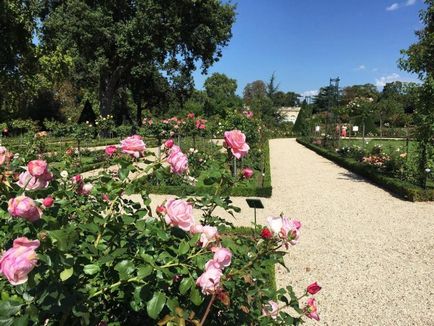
(302, 125)
(221, 96)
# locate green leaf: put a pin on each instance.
(9, 308)
(91, 269)
(123, 173)
(156, 304)
(64, 239)
(185, 285)
(125, 268)
(195, 296)
(184, 247)
(144, 271)
(67, 273)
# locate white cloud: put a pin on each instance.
(310, 93)
(386, 79)
(393, 7)
(361, 67)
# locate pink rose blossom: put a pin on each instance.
(174, 150)
(209, 281)
(34, 183)
(19, 260)
(169, 143)
(314, 288)
(222, 256)
(48, 202)
(77, 179)
(195, 229)
(190, 115)
(236, 141)
(209, 234)
(311, 309)
(110, 150)
(37, 168)
(200, 124)
(288, 230)
(25, 208)
(178, 163)
(133, 145)
(179, 213)
(247, 173)
(271, 309)
(3, 155)
(86, 189)
(248, 114)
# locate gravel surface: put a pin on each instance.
(372, 253)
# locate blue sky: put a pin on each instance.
(306, 42)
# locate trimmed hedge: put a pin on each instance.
(401, 188)
(241, 191)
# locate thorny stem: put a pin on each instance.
(208, 309)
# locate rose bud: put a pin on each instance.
(48, 202)
(313, 288)
(161, 210)
(247, 173)
(169, 143)
(266, 234)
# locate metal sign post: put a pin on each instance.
(254, 203)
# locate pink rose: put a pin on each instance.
(110, 150)
(247, 173)
(200, 124)
(236, 141)
(86, 189)
(179, 213)
(209, 281)
(133, 145)
(37, 168)
(178, 163)
(48, 202)
(77, 179)
(190, 115)
(195, 229)
(271, 309)
(311, 309)
(222, 257)
(209, 234)
(288, 230)
(3, 155)
(169, 143)
(25, 208)
(248, 114)
(19, 260)
(174, 150)
(34, 183)
(313, 288)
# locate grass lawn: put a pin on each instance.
(388, 145)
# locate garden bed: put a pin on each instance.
(401, 188)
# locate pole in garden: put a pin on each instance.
(255, 204)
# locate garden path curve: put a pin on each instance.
(372, 253)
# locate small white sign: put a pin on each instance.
(355, 128)
(317, 128)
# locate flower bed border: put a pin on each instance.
(400, 188)
(184, 190)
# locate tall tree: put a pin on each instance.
(110, 38)
(418, 58)
(220, 90)
(254, 90)
(272, 87)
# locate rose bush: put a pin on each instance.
(92, 251)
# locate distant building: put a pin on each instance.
(289, 114)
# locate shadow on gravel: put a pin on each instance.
(352, 177)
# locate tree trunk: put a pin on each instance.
(108, 85)
(139, 112)
(381, 127)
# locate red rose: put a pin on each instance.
(313, 288)
(266, 233)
